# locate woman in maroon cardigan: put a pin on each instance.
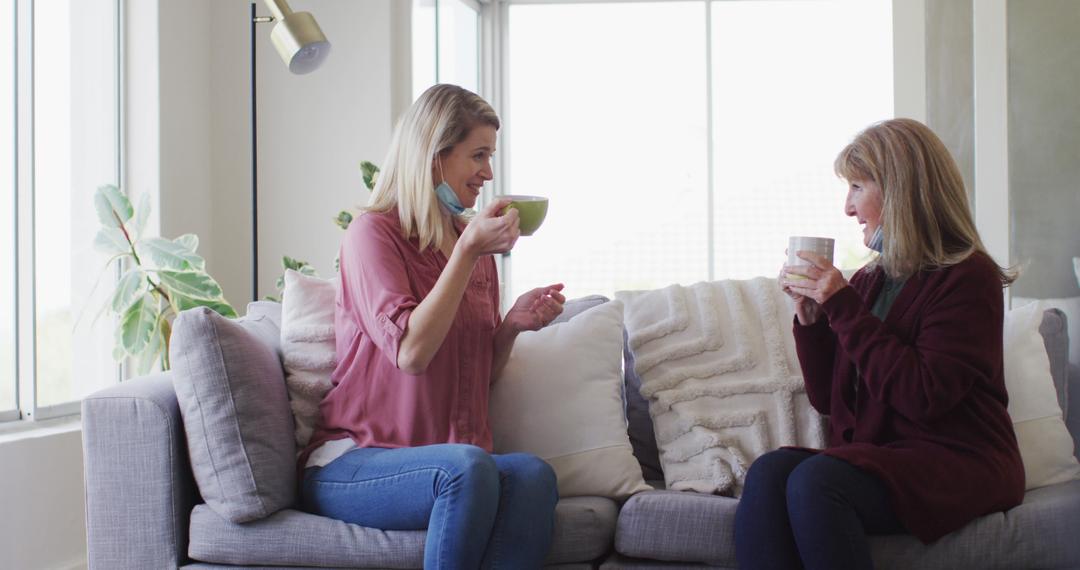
(906, 360)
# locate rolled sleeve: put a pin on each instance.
(376, 289)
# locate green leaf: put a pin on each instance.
(128, 289)
(189, 241)
(343, 219)
(142, 215)
(370, 171)
(111, 205)
(170, 254)
(220, 306)
(154, 347)
(111, 241)
(190, 284)
(294, 264)
(138, 323)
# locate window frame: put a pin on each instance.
(909, 84)
(26, 349)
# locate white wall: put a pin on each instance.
(313, 131)
(42, 525)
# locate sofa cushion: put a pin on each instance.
(678, 526)
(694, 527)
(1040, 533)
(231, 392)
(560, 398)
(1045, 444)
(584, 527)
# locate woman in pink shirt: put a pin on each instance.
(403, 441)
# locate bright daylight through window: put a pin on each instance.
(612, 122)
(68, 144)
(7, 210)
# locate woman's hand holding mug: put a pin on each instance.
(490, 232)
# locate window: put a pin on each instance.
(681, 141)
(8, 398)
(67, 144)
(445, 44)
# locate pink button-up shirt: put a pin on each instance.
(384, 276)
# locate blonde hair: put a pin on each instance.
(925, 217)
(440, 118)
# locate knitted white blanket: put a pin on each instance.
(718, 366)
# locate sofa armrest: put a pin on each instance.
(139, 487)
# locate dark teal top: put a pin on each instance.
(889, 292)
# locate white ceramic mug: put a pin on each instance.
(820, 245)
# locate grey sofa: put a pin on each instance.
(144, 511)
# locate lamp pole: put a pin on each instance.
(255, 19)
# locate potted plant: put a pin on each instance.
(159, 278)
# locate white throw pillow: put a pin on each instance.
(1071, 307)
(1045, 444)
(718, 366)
(560, 398)
(307, 347)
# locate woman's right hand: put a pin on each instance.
(489, 232)
(807, 310)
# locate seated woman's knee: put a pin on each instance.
(471, 461)
(812, 478)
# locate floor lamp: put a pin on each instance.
(303, 47)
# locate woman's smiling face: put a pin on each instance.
(467, 165)
(864, 202)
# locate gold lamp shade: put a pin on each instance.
(297, 37)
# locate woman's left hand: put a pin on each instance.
(822, 279)
(535, 309)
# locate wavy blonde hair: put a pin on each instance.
(439, 119)
(926, 220)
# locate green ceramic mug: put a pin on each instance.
(531, 211)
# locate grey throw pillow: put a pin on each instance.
(1055, 335)
(231, 390)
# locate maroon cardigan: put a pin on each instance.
(929, 417)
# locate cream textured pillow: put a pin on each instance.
(1045, 444)
(1071, 307)
(560, 398)
(307, 347)
(717, 363)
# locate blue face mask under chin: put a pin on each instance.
(448, 198)
(876, 240)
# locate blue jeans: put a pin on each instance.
(805, 510)
(480, 510)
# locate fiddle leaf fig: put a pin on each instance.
(111, 242)
(128, 289)
(170, 255)
(161, 278)
(113, 208)
(137, 324)
(194, 285)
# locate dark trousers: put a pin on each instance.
(804, 510)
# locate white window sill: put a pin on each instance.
(21, 430)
